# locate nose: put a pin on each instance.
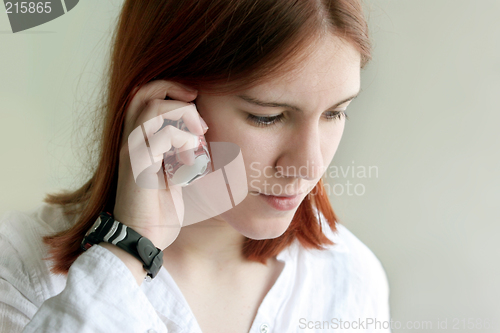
(302, 155)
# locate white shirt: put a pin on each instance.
(344, 286)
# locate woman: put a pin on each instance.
(272, 77)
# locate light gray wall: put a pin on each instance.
(49, 81)
(428, 119)
(426, 122)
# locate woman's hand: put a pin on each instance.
(156, 213)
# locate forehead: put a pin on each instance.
(329, 73)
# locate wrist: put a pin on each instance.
(133, 264)
(130, 246)
(143, 231)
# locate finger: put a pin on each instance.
(190, 117)
(186, 154)
(160, 89)
(174, 111)
(169, 137)
(154, 91)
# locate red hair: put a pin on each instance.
(213, 45)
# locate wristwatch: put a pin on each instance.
(107, 229)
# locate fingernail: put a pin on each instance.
(203, 124)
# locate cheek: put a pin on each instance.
(259, 151)
(331, 142)
(219, 118)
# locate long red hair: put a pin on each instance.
(220, 46)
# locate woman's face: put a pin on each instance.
(286, 155)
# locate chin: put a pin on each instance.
(260, 228)
(255, 219)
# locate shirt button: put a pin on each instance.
(264, 328)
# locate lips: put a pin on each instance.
(281, 196)
(282, 203)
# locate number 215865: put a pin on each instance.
(28, 7)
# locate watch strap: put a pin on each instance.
(107, 229)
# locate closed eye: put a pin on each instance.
(262, 121)
(334, 115)
(265, 121)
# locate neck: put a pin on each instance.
(211, 243)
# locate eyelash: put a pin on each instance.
(269, 121)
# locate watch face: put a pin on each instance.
(96, 225)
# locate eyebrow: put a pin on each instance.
(257, 102)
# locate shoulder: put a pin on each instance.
(349, 254)
(347, 269)
(357, 256)
(22, 265)
(24, 230)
